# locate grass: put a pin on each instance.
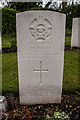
(68, 41)
(71, 72)
(10, 73)
(7, 39)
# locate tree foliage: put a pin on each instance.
(71, 12)
(9, 15)
(22, 6)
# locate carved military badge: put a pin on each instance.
(40, 28)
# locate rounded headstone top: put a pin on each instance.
(40, 11)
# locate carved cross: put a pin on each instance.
(40, 70)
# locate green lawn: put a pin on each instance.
(71, 72)
(68, 41)
(10, 72)
(6, 40)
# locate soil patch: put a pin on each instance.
(70, 104)
(8, 50)
(68, 48)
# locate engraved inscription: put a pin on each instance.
(41, 90)
(39, 50)
(40, 29)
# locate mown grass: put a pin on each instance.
(68, 41)
(10, 73)
(7, 39)
(71, 76)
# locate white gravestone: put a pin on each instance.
(40, 42)
(75, 40)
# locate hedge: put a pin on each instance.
(9, 20)
(9, 17)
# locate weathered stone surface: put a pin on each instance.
(75, 40)
(40, 42)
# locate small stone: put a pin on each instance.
(3, 104)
